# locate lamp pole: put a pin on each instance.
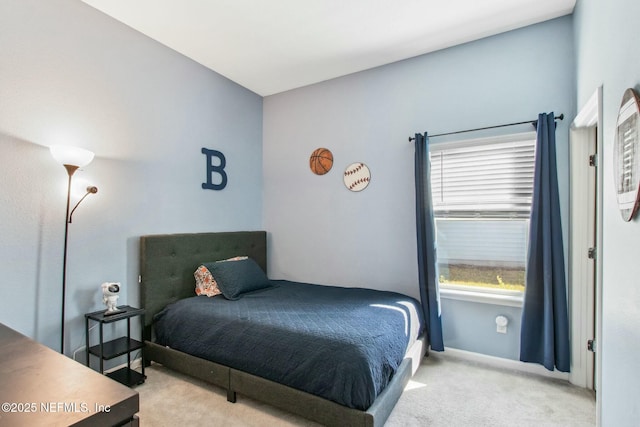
(70, 170)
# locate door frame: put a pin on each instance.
(589, 117)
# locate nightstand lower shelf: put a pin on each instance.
(127, 376)
(115, 348)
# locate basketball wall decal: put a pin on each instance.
(357, 176)
(321, 161)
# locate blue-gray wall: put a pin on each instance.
(471, 326)
(70, 74)
(323, 233)
(608, 55)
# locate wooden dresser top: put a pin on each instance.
(39, 386)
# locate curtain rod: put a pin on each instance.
(533, 122)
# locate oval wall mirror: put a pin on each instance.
(626, 155)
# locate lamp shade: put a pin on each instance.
(73, 156)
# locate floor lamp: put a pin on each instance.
(71, 158)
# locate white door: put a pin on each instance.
(582, 253)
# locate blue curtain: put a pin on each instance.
(544, 335)
(426, 238)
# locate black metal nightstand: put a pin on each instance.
(117, 347)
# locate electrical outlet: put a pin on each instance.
(501, 324)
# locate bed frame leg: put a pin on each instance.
(231, 396)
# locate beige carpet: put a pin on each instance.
(444, 392)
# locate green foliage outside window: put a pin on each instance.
(483, 276)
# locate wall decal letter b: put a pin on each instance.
(211, 169)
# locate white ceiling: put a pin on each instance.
(271, 46)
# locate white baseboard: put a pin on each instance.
(501, 363)
(135, 364)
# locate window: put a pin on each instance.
(482, 191)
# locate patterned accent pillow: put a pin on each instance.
(205, 283)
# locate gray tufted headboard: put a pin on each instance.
(167, 263)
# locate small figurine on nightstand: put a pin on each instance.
(110, 296)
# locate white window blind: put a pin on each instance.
(484, 178)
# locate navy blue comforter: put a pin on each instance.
(343, 344)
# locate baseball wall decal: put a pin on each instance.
(321, 161)
(357, 176)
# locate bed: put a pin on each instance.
(283, 374)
